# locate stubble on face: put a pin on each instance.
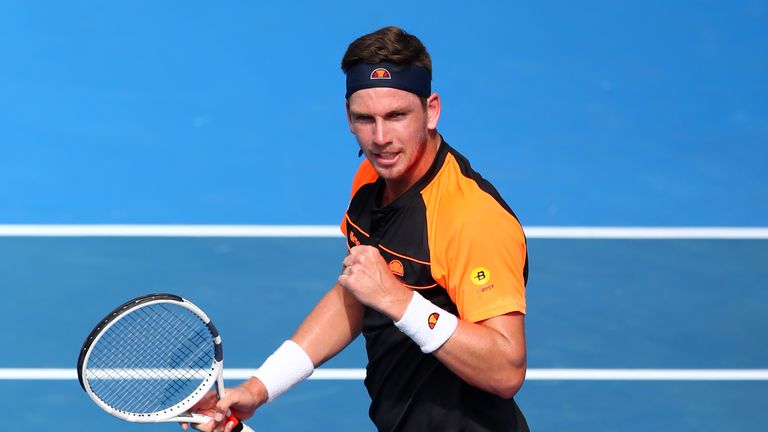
(390, 126)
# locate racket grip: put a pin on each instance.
(239, 426)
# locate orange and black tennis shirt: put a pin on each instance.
(453, 238)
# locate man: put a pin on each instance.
(435, 275)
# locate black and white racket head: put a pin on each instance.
(151, 359)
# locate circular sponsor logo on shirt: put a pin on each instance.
(480, 276)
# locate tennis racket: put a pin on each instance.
(153, 358)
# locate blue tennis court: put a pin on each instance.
(642, 304)
(605, 114)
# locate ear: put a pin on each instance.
(433, 111)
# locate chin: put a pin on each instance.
(389, 174)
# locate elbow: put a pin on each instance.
(506, 387)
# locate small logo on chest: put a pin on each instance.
(353, 238)
(396, 267)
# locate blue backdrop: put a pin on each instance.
(601, 113)
(597, 113)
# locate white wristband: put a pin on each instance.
(428, 325)
(285, 368)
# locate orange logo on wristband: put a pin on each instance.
(432, 320)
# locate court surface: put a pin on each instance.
(601, 114)
(675, 304)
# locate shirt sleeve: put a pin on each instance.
(478, 253)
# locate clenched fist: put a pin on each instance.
(366, 275)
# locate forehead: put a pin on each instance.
(382, 100)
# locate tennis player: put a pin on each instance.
(436, 271)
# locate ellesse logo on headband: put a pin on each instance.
(380, 73)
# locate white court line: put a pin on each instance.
(648, 232)
(333, 231)
(170, 231)
(648, 374)
(533, 374)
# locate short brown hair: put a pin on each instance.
(391, 44)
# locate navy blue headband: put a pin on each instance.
(413, 79)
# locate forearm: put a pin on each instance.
(490, 356)
(334, 322)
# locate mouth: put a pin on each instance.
(386, 158)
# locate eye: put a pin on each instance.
(362, 118)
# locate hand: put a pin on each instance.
(366, 276)
(241, 401)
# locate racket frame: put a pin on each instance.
(175, 413)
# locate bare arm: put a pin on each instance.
(490, 355)
(334, 322)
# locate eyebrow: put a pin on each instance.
(396, 110)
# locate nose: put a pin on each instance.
(380, 132)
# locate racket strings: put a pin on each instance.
(151, 359)
(149, 343)
(176, 359)
(145, 342)
(192, 356)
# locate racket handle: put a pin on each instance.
(239, 426)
